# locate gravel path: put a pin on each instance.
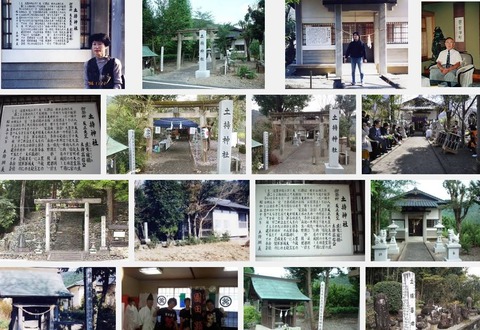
(217, 78)
(176, 160)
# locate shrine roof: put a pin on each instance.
(32, 282)
(418, 198)
(147, 52)
(273, 288)
(417, 203)
(227, 203)
(114, 146)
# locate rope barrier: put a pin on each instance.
(37, 314)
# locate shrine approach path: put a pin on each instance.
(299, 161)
(416, 251)
(176, 160)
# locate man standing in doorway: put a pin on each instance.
(356, 52)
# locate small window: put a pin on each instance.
(397, 33)
(178, 293)
(431, 223)
(228, 300)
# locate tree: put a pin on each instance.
(461, 198)
(174, 15)
(148, 23)
(257, 15)
(290, 31)
(384, 194)
(281, 103)
(202, 20)
(162, 208)
(347, 104)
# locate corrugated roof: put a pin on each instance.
(114, 146)
(147, 52)
(28, 282)
(277, 289)
(228, 203)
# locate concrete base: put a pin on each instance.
(393, 249)
(439, 248)
(202, 74)
(453, 252)
(334, 170)
(380, 252)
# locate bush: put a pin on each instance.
(393, 291)
(192, 240)
(225, 237)
(210, 239)
(245, 72)
(250, 317)
(242, 149)
(341, 310)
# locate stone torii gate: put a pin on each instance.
(192, 34)
(86, 209)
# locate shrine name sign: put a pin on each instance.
(50, 138)
(303, 220)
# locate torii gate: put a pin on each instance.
(193, 35)
(86, 209)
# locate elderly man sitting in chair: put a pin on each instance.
(448, 61)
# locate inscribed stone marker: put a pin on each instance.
(303, 220)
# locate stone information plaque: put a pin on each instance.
(50, 138)
(40, 24)
(318, 36)
(408, 301)
(303, 220)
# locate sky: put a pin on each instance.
(223, 11)
(434, 187)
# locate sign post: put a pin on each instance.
(224, 146)
(408, 300)
(202, 71)
(131, 150)
(333, 167)
(321, 305)
(265, 150)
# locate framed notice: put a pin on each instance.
(303, 220)
(318, 35)
(50, 138)
(40, 24)
(459, 29)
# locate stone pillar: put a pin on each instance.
(265, 150)
(51, 319)
(408, 299)
(86, 224)
(224, 144)
(376, 40)
(47, 227)
(19, 319)
(333, 167)
(202, 71)
(179, 50)
(162, 50)
(453, 252)
(283, 133)
(299, 33)
(382, 316)
(117, 49)
(145, 232)
(131, 150)
(214, 58)
(321, 306)
(382, 29)
(103, 233)
(338, 42)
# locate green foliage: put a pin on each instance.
(281, 103)
(244, 72)
(393, 291)
(250, 317)
(223, 41)
(210, 239)
(8, 214)
(242, 149)
(225, 237)
(255, 49)
(462, 198)
(106, 319)
(339, 310)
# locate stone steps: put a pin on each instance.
(69, 233)
(65, 256)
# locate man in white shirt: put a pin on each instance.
(448, 61)
(148, 315)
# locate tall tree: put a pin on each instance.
(384, 194)
(281, 103)
(174, 15)
(461, 198)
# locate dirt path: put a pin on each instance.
(222, 251)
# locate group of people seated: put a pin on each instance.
(166, 318)
(379, 138)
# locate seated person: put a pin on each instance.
(375, 134)
(385, 131)
(448, 61)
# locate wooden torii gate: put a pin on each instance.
(86, 209)
(192, 34)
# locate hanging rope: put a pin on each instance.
(37, 314)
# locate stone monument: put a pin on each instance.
(145, 232)
(202, 71)
(333, 166)
(265, 150)
(321, 306)
(408, 301)
(382, 317)
(224, 145)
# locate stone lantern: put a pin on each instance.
(439, 246)
(393, 247)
